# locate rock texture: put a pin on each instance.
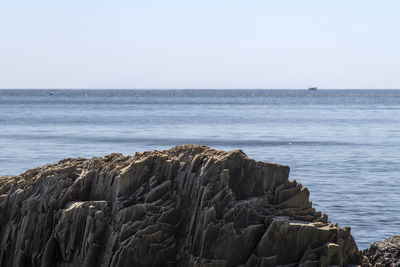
(384, 253)
(187, 206)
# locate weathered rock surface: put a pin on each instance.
(384, 253)
(187, 206)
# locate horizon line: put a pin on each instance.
(197, 88)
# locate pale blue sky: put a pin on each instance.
(199, 44)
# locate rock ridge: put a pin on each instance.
(187, 206)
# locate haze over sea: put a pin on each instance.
(344, 145)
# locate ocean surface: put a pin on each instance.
(344, 145)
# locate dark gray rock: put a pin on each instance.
(187, 206)
(384, 253)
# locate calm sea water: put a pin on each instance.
(344, 145)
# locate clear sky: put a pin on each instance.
(199, 44)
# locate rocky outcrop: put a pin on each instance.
(187, 206)
(384, 253)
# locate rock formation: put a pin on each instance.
(384, 253)
(187, 206)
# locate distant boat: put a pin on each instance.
(312, 88)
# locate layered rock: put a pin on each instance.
(187, 206)
(384, 253)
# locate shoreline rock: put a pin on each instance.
(187, 206)
(384, 253)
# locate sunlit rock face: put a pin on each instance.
(187, 206)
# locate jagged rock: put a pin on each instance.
(383, 253)
(187, 206)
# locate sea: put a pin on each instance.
(344, 145)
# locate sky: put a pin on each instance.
(281, 44)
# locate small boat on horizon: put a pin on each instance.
(312, 88)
